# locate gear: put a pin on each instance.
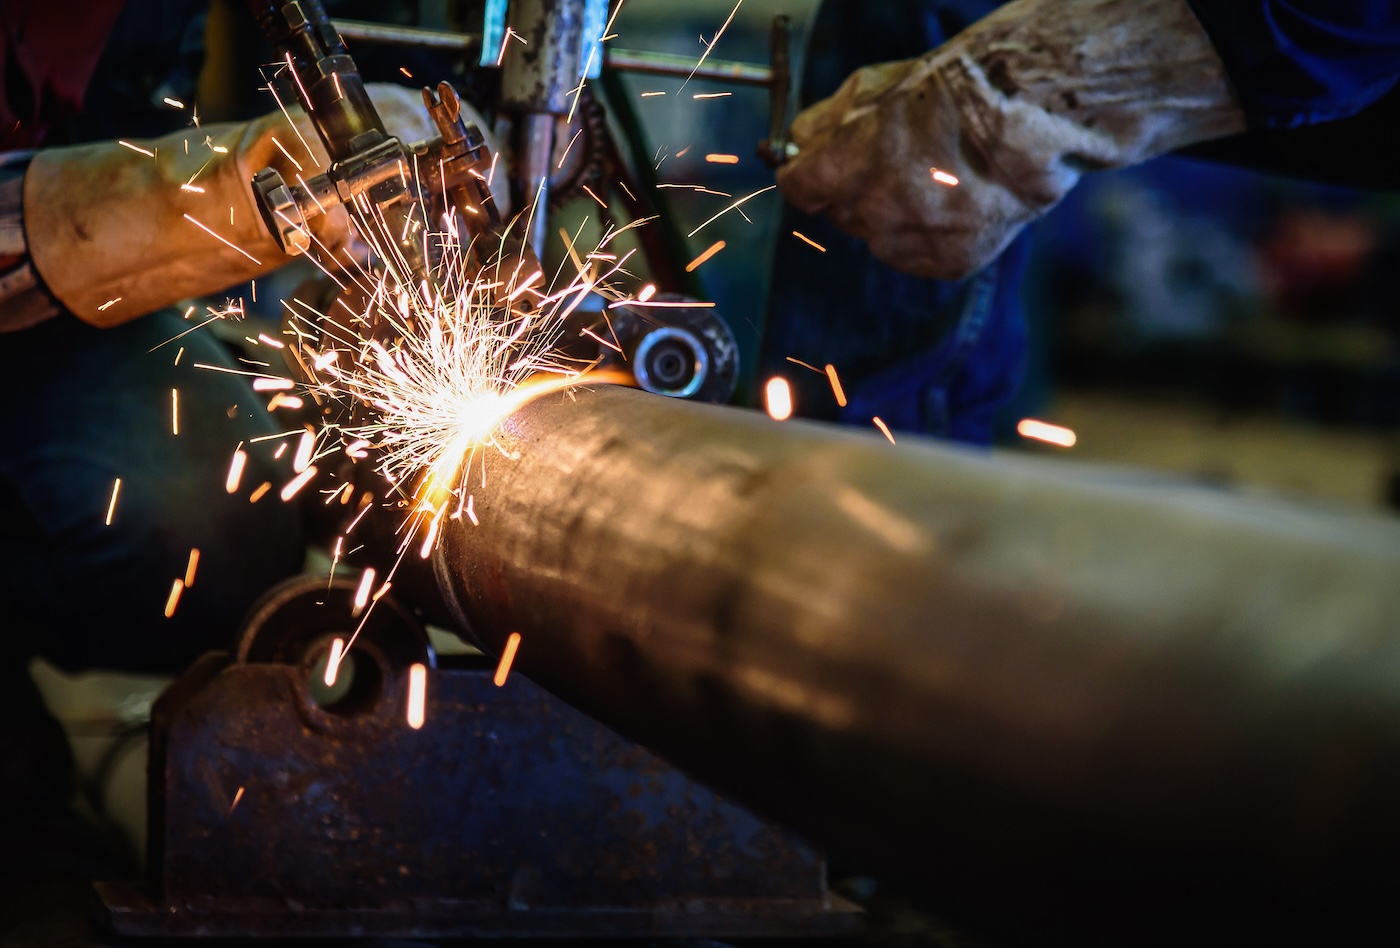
(585, 164)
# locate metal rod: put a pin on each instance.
(944, 659)
(407, 36)
(626, 60)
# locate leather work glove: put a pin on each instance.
(106, 224)
(1014, 109)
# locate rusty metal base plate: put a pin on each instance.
(508, 813)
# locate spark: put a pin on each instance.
(302, 459)
(362, 593)
(137, 148)
(836, 388)
(943, 177)
(808, 240)
(712, 95)
(777, 398)
(719, 159)
(268, 340)
(236, 797)
(333, 661)
(261, 492)
(298, 482)
(191, 566)
(226, 241)
(283, 400)
(733, 207)
(806, 365)
(404, 70)
(507, 658)
(173, 600)
(192, 188)
(173, 103)
(284, 151)
(112, 504)
(884, 428)
(649, 95)
(175, 411)
(647, 293)
(417, 694)
(700, 261)
(109, 304)
(709, 47)
(1047, 433)
(235, 471)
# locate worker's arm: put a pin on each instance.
(113, 230)
(940, 161)
(1299, 62)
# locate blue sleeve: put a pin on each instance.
(1296, 62)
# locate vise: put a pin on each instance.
(279, 807)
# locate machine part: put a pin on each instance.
(777, 148)
(623, 60)
(508, 814)
(365, 158)
(541, 69)
(586, 162)
(677, 350)
(1025, 667)
(671, 361)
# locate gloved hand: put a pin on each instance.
(1014, 109)
(106, 225)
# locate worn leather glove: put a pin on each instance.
(106, 227)
(1014, 110)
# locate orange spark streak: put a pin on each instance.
(236, 797)
(1048, 433)
(709, 47)
(302, 459)
(112, 504)
(298, 482)
(943, 177)
(175, 411)
(223, 240)
(235, 471)
(836, 388)
(648, 95)
(733, 207)
(805, 365)
(268, 340)
(777, 398)
(191, 566)
(699, 261)
(362, 594)
(258, 494)
(507, 657)
(137, 148)
(333, 661)
(662, 304)
(808, 240)
(417, 693)
(109, 304)
(176, 588)
(711, 95)
(884, 428)
(284, 151)
(716, 159)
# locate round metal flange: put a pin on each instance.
(671, 361)
(295, 619)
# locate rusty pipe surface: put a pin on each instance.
(956, 663)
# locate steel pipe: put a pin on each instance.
(966, 666)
